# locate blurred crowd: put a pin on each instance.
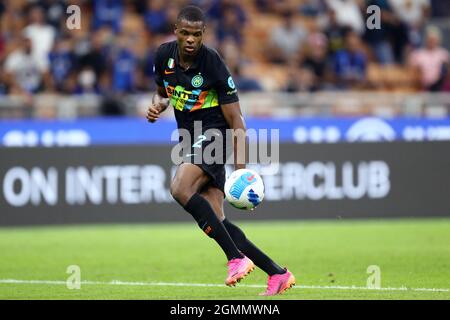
(301, 45)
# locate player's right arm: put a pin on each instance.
(160, 102)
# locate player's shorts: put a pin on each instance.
(208, 147)
(209, 151)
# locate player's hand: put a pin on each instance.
(153, 112)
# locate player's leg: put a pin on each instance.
(280, 279)
(215, 198)
(188, 180)
(186, 188)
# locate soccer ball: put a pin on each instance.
(244, 189)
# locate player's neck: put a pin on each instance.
(186, 61)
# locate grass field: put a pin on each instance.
(176, 261)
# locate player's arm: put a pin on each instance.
(160, 102)
(231, 109)
(233, 115)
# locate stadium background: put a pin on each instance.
(363, 117)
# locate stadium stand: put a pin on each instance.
(111, 55)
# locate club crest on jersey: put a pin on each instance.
(171, 63)
(197, 81)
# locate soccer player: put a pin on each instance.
(194, 79)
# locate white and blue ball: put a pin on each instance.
(244, 189)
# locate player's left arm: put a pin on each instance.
(233, 115)
(231, 109)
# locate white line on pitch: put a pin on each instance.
(181, 284)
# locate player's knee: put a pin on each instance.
(219, 215)
(180, 194)
(176, 192)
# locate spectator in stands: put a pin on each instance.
(2, 48)
(42, 37)
(315, 60)
(97, 55)
(22, 70)
(412, 13)
(350, 64)
(229, 49)
(108, 13)
(286, 40)
(230, 24)
(277, 7)
(293, 83)
(172, 13)
(440, 8)
(300, 80)
(87, 82)
(432, 61)
(389, 42)
(70, 60)
(210, 39)
(335, 34)
(123, 68)
(13, 20)
(56, 11)
(313, 8)
(147, 69)
(244, 82)
(62, 62)
(105, 84)
(156, 17)
(218, 9)
(3, 83)
(349, 14)
(378, 38)
(2, 40)
(446, 84)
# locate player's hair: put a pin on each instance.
(191, 14)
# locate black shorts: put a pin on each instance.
(208, 145)
(209, 149)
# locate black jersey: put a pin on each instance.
(197, 93)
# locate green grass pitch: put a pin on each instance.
(162, 261)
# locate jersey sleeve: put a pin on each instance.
(158, 67)
(224, 84)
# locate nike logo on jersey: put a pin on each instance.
(168, 72)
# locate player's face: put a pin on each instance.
(189, 36)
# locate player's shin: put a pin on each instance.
(207, 220)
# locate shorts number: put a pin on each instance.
(198, 144)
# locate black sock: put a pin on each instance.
(207, 220)
(251, 251)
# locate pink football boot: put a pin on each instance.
(238, 269)
(278, 283)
